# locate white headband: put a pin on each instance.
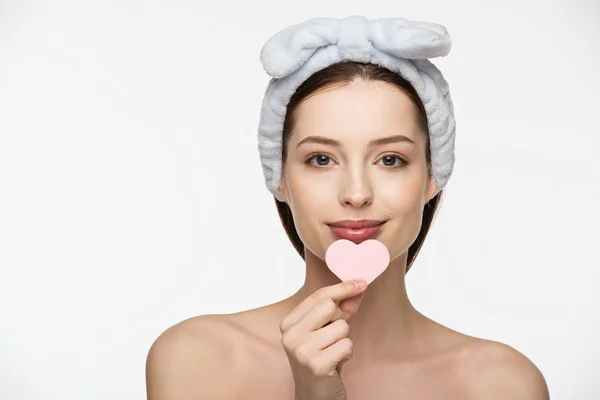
(295, 53)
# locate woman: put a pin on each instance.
(356, 141)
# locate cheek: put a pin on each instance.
(403, 202)
(312, 203)
(310, 191)
(401, 193)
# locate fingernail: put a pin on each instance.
(360, 284)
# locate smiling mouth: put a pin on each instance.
(356, 231)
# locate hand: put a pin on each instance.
(315, 339)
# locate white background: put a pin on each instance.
(131, 193)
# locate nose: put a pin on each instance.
(356, 190)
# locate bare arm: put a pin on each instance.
(190, 361)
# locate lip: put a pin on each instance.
(356, 230)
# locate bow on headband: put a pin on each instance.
(356, 38)
(397, 44)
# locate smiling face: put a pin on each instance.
(357, 152)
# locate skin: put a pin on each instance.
(397, 351)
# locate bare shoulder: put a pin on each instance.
(496, 370)
(196, 358)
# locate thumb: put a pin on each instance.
(350, 305)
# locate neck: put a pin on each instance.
(386, 321)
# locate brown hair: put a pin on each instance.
(339, 74)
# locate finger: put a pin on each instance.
(315, 342)
(335, 292)
(328, 335)
(336, 354)
(323, 312)
(341, 364)
(350, 306)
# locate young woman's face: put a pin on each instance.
(356, 153)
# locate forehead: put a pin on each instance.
(357, 112)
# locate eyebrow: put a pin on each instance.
(374, 142)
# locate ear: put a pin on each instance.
(431, 189)
(283, 187)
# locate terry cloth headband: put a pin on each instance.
(295, 53)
